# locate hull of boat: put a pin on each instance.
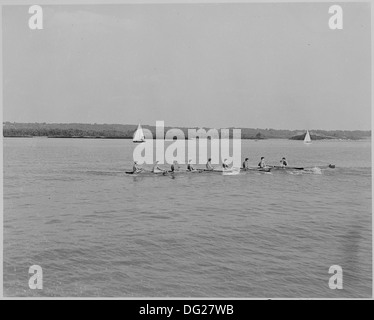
(268, 169)
(330, 166)
(199, 171)
(286, 168)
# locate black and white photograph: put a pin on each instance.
(203, 150)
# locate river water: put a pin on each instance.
(95, 231)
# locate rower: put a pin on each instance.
(174, 166)
(246, 164)
(284, 162)
(136, 168)
(225, 165)
(209, 166)
(190, 167)
(262, 163)
(157, 169)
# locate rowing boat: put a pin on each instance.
(231, 171)
(286, 168)
(165, 173)
(330, 166)
(267, 169)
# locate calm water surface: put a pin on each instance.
(69, 207)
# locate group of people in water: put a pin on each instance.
(208, 167)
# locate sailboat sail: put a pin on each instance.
(307, 138)
(139, 135)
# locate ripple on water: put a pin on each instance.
(97, 232)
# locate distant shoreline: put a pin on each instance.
(123, 138)
(126, 132)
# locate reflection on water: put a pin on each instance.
(70, 208)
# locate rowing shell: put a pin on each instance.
(232, 171)
(330, 166)
(286, 168)
(267, 169)
(161, 173)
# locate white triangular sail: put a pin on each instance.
(139, 135)
(307, 138)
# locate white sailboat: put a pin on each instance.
(139, 135)
(307, 138)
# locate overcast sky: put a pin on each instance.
(244, 65)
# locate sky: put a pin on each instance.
(214, 65)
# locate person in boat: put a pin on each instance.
(209, 166)
(136, 168)
(225, 166)
(175, 166)
(190, 167)
(156, 168)
(246, 164)
(284, 162)
(262, 163)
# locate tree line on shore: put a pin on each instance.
(119, 131)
